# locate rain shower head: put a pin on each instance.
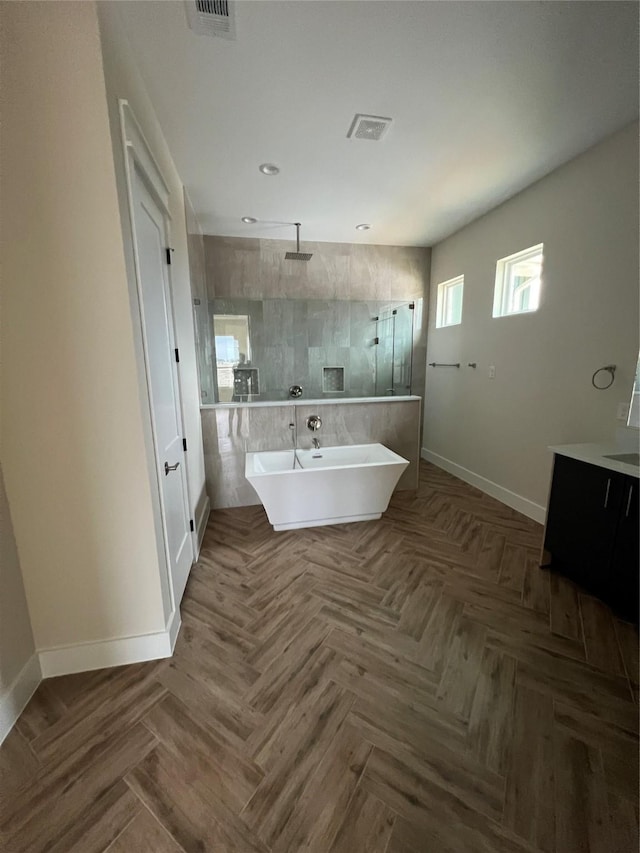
(298, 255)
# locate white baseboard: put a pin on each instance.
(505, 496)
(65, 660)
(201, 524)
(15, 698)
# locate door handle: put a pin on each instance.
(168, 467)
(606, 497)
(626, 514)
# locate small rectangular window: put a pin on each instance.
(449, 302)
(518, 282)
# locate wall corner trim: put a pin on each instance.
(65, 660)
(201, 524)
(16, 697)
(173, 629)
(524, 505)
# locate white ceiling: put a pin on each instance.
(485, 97)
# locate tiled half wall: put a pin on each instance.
(231, 431)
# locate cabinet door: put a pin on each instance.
(625, 565)
(583, 515)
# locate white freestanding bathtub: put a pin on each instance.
(332, 485)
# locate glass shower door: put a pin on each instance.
(394, 352)
(402, 350)
(384, 356)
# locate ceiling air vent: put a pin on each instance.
(368, 127)
(212, 17)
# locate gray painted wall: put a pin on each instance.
(586, 214)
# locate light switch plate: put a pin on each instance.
(623, 412)
(492, 371)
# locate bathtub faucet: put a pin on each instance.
(314, 423)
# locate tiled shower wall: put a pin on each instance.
(292, 340)
(256, 269)
(230, 432)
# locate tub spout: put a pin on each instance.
(315, 443)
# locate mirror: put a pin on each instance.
(634, 406)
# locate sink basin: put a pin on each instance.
(629, 458)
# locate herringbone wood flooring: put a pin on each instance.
(413, 685)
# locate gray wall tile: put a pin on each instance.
(239, 266)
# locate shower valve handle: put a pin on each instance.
(314, 423)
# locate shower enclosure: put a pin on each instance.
(394, 351)
(332, 348)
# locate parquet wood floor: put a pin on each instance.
(412, 685)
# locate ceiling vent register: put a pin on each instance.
(212, 17)
(368, 127)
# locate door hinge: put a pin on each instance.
(184, 444)
(412, 306)
(376, 341)
(167, 253)
(177, 352)
(191, 525)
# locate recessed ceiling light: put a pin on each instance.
(269, 169)
(249, 220)
(363, 227)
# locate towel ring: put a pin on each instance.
(610, 368)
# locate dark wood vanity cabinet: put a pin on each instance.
(625, 559)
(592, 531)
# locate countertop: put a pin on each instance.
(302, 401)
(595, 454)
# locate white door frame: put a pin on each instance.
(138, 156)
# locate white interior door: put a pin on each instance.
(162, 378)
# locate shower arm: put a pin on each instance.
(298, 255)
